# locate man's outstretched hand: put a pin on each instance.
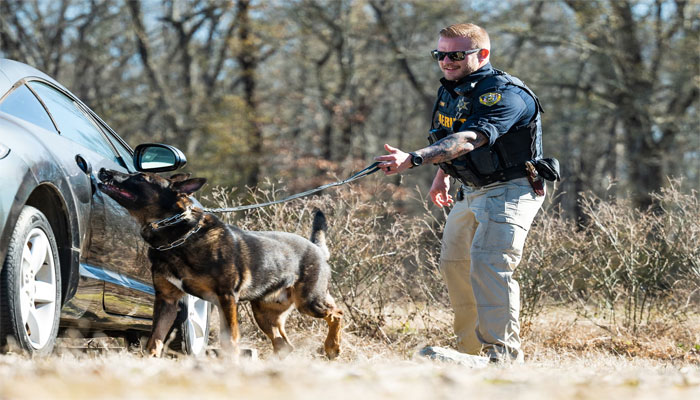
(395, 162)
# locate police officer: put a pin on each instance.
(485, 131)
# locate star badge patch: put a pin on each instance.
(489, 99)
(461, 105)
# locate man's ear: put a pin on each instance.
(189, 186)
(179, 177)
(484, 54)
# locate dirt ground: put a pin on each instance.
(363, 372)
(566, 358)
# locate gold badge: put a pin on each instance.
(442, 104)
(489, 99)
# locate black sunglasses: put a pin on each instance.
(454, 55)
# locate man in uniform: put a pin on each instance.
(486, 134)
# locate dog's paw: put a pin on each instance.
(154, 349)
(332, 350)
(332, 354)
(282, 349)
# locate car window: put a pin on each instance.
(123, 151)
(22, 104)
(72, 122)
(126, 155)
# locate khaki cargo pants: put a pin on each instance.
(481, 246)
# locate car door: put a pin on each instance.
(133, 295)
(113, 250)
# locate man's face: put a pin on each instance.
(456, 70)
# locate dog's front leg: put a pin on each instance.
(229, 324)
(164, 313)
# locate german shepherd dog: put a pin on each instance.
(193, 252)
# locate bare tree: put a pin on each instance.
(307, 86)
(645, 97)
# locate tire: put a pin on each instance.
(30, 286)
(134, 339)
(191, 327)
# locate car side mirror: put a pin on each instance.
(155, 157)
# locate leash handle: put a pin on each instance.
(370, 169)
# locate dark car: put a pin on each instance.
(72, 258)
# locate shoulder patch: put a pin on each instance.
(489, 99)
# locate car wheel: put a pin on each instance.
(191, 326)
(30, 286)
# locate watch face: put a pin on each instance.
(416, 160)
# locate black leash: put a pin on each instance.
(367, 171)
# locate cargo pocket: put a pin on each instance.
(504, 232)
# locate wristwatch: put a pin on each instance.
(416, 160)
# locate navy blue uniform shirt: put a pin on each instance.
(488, 105)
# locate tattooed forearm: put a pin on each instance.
(452, 146)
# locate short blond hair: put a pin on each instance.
(478, 35)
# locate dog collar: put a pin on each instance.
(172, 220)
(182, 239)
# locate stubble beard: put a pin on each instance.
(461, 72)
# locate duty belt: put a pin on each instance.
(536, 171)
(503, 175)
(499, 176)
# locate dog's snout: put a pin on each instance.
(104, 175)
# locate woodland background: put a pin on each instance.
(301, 91)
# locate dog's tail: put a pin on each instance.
(318, 232)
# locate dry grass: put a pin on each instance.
(564, 332)
(627, 277)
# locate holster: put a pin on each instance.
(534, 178)
(548, 168)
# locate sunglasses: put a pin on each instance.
(453, 55)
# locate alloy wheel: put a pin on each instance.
(38, 288)
(196, 325)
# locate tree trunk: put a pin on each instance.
(247, 57)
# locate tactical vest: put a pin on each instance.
(505, 159)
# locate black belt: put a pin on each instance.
(503, 175)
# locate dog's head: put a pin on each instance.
(147, 195)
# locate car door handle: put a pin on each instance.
(83, 164)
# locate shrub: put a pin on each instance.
(642, 266)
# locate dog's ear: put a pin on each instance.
(189, 186)
(179, 177)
